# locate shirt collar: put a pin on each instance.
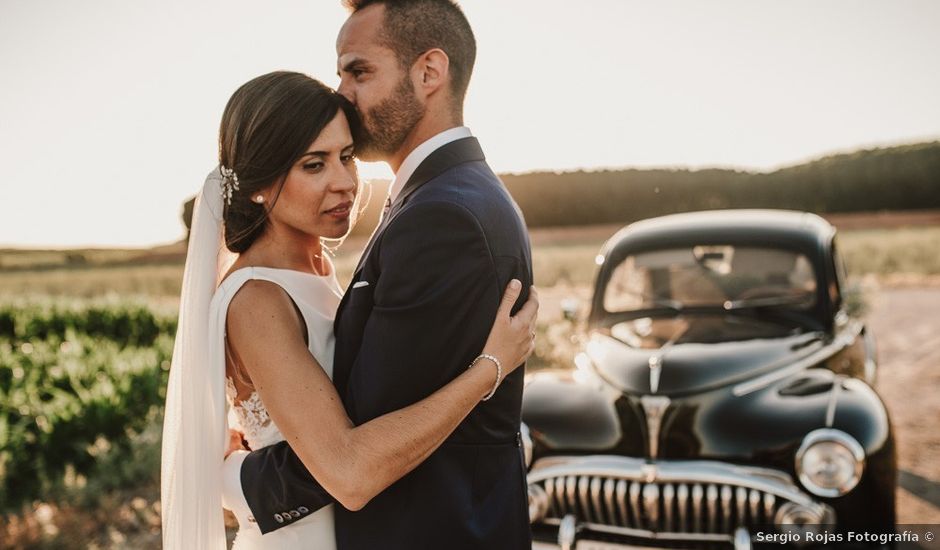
(421, 152)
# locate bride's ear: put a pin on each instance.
(432, 70)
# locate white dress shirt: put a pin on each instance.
(420, 153)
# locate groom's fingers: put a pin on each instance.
(509, 298)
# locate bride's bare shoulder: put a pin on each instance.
(260, 309)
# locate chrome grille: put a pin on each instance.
(673, 507)
(667, 497)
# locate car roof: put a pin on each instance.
(786, 228)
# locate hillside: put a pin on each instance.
(903, 177)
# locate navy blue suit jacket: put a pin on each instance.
(436, 269)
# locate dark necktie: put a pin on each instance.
(388, 205)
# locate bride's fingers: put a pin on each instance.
(530, 310)
(509, 298)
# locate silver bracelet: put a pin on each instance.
(499, 372)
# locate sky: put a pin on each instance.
(109, 109)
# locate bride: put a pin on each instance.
(255, 335)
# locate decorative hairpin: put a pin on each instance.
(229, 183)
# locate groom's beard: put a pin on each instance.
(386, 126)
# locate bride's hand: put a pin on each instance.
(234, 442)
(512, 338)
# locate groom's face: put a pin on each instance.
(372, 78)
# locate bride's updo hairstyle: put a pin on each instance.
(267, 125)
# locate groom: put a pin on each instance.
(423, 298)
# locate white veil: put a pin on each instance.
(194, 425)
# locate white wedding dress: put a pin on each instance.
(317, 298)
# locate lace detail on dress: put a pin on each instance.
(252, 418)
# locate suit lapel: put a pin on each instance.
(450, 155)
(456, 152)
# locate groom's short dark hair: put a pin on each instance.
(412, 27)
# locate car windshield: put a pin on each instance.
(710, 294)
(657, 332)
(728, 277)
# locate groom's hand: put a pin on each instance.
(235, 443)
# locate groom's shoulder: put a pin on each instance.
(472, 186)
(470, 195)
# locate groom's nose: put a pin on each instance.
(347, 90)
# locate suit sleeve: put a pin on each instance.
(436, 295)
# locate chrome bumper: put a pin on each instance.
(742, 541)
(664, 501)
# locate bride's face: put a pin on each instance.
(320, 190)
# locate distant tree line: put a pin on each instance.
(894, 178)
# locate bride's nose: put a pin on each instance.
(343, 181)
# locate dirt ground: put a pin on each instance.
(906, 323)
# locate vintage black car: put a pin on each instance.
(723, 395)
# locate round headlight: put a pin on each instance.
(830, 462)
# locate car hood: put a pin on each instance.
(686, 368)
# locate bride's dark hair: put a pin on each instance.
(267, 125)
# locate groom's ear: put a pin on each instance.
(431, 71)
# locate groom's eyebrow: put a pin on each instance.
(354, 63)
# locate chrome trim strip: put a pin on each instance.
(583, 492)
(656, 368)
(754, 501)
(622, 500)
(726, 511)
(550, 491)
(683, 495)
(679, 471)
(769, 502)
(651, 505)
(698, 495)
(596, 499)
(644, 533)
(741, 498)
(609, 488)
(669, 494)
(654, 406)
(570, 488)
(635, 504)
(838, 344)
(711, 501)
(871, 358)
(833, 400)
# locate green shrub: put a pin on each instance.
(77, 382)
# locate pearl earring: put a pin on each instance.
(259, 199)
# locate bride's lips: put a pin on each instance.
(340, 211)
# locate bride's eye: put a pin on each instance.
(350, 157)
(313, 166)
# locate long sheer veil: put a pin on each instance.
(194, 425)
